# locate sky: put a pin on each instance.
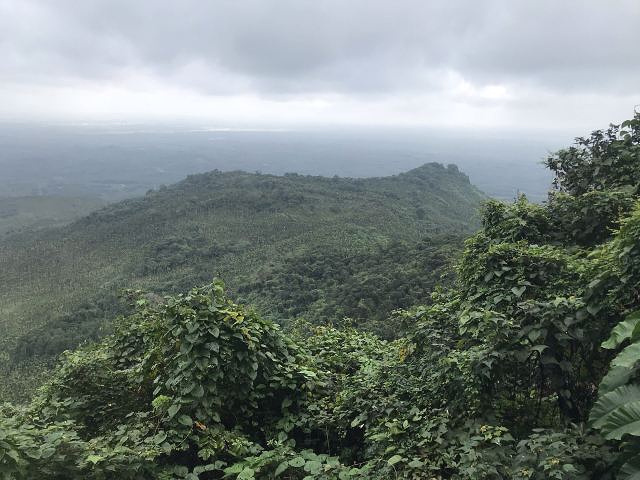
(479, 64)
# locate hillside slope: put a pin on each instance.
(233, 225)
(35, 212)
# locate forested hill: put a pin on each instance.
(292, 245)
(35, 212)
(524, 368)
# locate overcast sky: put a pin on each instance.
(546, 64)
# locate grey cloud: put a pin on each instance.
(354, 47)
(279, 42)
(566, 45)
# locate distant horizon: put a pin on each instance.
(99, 160)
(523, 133)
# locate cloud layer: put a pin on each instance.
(493, 63)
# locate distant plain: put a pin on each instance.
(113, 162)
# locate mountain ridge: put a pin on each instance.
(231, 225)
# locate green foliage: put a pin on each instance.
(196, 380)
(517, 222)
(588, 219)
(363, 286)
(628, 246)
(606, 160)
(617, 412)
(89, 322)
(293, 245)
(493, 378)
(30, 450)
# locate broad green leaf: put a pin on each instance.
(198, 392)
(622, 331)
(173, 409)
(631, 469)
(185, 420)
(617, 413)
(205, 468)
(159, 438)
(235, 468)
(623, 421)
(312, 466)
(180, 470)
(615, 377)
(281, 468)
(611, 401)
(202, 363)
(518, 291)
(628, 356)
(297, 462)
(246, 474)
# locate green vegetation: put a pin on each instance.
(293, 246)
(362, 287)
(497, 378)
(20, 213)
